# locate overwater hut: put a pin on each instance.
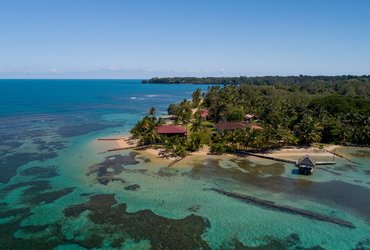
(306, 165)
(171, 130)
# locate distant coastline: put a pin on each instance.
(262, 80)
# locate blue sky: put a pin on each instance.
(140, 39)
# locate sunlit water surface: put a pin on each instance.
(60, 188)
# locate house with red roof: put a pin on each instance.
(171, 130)
(204, 114)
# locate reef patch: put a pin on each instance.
(163, 233)
(41, 172)
(47, 197)
(274, 169)
(332, 193)
(292, 241)
(362, 153)
(112, 166)
(9, 164)
(132, 187)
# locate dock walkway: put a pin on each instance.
(285, 159)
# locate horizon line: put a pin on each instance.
(146, 78)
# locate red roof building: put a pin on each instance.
(171, 130)
(204, 113)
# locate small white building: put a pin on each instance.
(249, 117)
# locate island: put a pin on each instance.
(261, 114)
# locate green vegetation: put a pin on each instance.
(294, 117)
(144, 130)
(347, 85)
(182, 111)
(199, 131)
(291, 110)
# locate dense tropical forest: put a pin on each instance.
(314, 110)
(343, 85)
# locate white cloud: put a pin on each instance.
(53, 70)
(121, 73)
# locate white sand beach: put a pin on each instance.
(156, 153)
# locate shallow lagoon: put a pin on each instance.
(51, 197)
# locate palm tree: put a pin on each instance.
(151, 136)
(195, 142)
(309, 130)
(145, 131)
(245, 137)
(197, 125)
(152, 111)
(285, 137)
(253, 139)
(196, 98)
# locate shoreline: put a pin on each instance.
(155, 153)
(296, 152)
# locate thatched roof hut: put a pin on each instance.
(306, 165)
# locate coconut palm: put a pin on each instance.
(197, 125)
(309, 130)
(196, 98)
(152, 111)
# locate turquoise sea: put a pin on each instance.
(61, 189)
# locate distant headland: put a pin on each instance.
(262, 80)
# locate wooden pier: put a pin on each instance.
(287, 160)
(325, 163)
(307, 167)
(271, 157)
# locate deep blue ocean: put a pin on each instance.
(29, 97)
(60, 187)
